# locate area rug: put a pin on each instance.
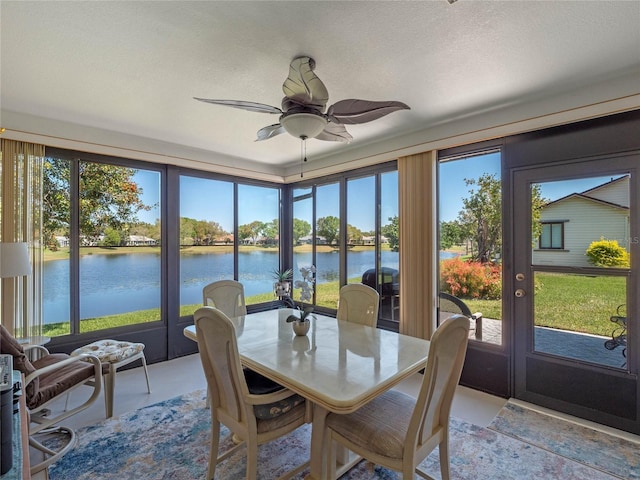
(170, 440)
(579, 443)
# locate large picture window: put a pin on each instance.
(347, 226)
(102, 240)
(470, 236)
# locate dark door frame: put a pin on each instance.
(606, 396)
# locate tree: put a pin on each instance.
(271, 231)
(251, 230)
(354, 234)
(451, 233)
(301, 228)
(111, 238)
(481, 217)
(56, 201)
(187, 231)
(392, 232)
(108, 196)
(329, 228)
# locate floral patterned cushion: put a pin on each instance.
(110, 351)
(275, 409)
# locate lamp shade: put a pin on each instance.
(14, 260)
(303, 125)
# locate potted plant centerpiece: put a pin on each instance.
(282, 285)
(301, 320)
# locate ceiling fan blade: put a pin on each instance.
(354, 111)
(271, 131)
(251, 106)
(303, 86)
(335, 132)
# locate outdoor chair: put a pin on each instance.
(48, 377)
(253, 417)
(358, 303)
(227, 296)
(453, 305)
(398, 431)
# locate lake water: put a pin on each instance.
(113, 284)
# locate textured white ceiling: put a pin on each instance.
(134, 66)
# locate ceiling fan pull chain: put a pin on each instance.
(303, 153)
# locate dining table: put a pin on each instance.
(338, 366)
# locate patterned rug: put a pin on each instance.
(579, 443)
(170, 440)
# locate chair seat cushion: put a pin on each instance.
(275, 409)
(110, 351)
(58, 381)
(276, 415)
(380, 426)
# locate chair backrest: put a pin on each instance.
(451, 304)
(441, 376)
(358, 303)
(225, 295)
(218, 347)
(10, 346)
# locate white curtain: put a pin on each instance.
(21, 221)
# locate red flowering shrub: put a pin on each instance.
(471, 279)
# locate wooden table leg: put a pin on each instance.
(317, 465)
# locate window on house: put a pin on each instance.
(552, 235)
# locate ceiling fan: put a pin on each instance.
(303, 108)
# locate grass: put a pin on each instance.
(578, 303)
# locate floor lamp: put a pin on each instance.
(14, 262)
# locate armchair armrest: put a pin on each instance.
(35, 351)
(56, 366)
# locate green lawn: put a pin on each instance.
(568, 302)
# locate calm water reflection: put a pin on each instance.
(119, 283)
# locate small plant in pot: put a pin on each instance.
(301, 322)
(282, 285)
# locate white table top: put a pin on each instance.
(337, 365)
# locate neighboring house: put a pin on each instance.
(570, 224)
(139, 240)
(62, 241)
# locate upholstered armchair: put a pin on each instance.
(47, 377)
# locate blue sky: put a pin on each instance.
(205, 199)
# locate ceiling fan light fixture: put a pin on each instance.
(303, 125)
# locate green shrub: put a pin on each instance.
(471, 279)
(607, 253)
